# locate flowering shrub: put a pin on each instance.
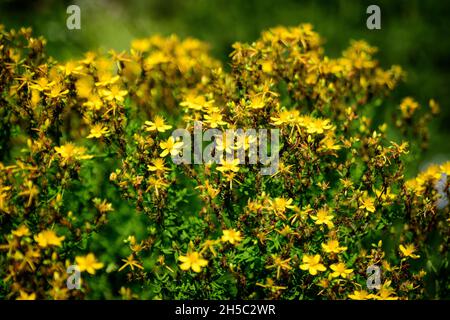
(87, 179)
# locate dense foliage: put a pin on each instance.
(86, 176)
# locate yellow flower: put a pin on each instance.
(42, 84)
(71, 67)
(445, 168)
(385, 292)
(105, 78)
(279, 206)
(130, 262)
(88, 263)
(245, 141)
(31, 191)
(434, 106)
(323, 217)
(257, 102)
(25, 296)
(209, 245)
(360, 295)
(270, 284)
(210, 190)
(229, 165)
(141, 45)
(367, 203)
(192, 260)
(115, 93)
(97, 131)
(157, 124)
(69, 152)
(21, 231)
(94, 102)
(170, 147)
(231, 236)
(408, 251)
(286, 116)
(267, 66)
(156, 183)
(84, 86)
(48, 238)
(103, 206)
(340, 270)
(328, 144)
(56, 91)
(195, 102)
(155, 58)
(332, 246)
(318, 125)
(127, 294)
(222, 143)
(312, 264)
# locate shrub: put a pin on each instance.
(86, 176)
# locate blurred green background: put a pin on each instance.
(414, 35)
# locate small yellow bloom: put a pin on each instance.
(21, 231)
(195, 102)
(279, 205)
(280, 264)
(192, 260)
(229, 165)
(170, 146)
(214, 119)
(367, 203)
(57, 91)
(158, 165)
(312, 264)
(385, 292)
(115, 93)
(88, 263)
(48, 238)
(408, 106)
(317, 126)
(257, 102)
(130, 262)
(158, 124)
(157, 184)
(360, 295)
(267, 66)
(98, 131)
(323, 216)
(231, 236)
(69, 152)
(332, 246)
(25, 296)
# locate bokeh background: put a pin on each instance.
(414, 35)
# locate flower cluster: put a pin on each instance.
(85, 167)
